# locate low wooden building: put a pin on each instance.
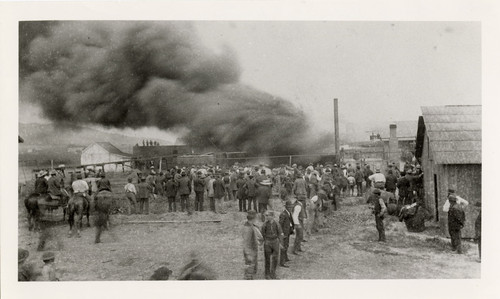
(449, 150)
(105, 154)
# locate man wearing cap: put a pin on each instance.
(379, 210)
(456, 221)
(252, 238)
(199, 190)
(41, 186)
(287, 226)
(377, 179)
(273, 238)
(460, 201)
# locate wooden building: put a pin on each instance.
(104, 152)
(449, 150)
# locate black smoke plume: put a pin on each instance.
(137, 74)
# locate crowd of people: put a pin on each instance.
(304, 192)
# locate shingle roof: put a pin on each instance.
(112, 149)
(454, 134)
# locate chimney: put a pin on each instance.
(394, 152)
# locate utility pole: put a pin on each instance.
(336, 124)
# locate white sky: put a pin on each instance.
(380, 71)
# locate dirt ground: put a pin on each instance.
(345, 248)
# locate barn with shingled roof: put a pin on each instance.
(448, 148)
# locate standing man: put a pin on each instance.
(460, 201)
(456, 221)
(368, 172)
(241, 194)
(287, 225)
(297, 217)
(130, 193)
(359, 177)
(379, 211)
(403, 187)
(210, 190)
(143, 191)
(170, 192)
(219, 192)
(184, 192)
(151, 180)
(251, 187)
(199, 190)
(262, 195)
(252, 238)
(273, 236)
(228, 194)
(390, 182)
(477, 227)
(378, 179)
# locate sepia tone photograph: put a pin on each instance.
(249, 150)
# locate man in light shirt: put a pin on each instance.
(130, 193)
(80, 187)
(299, 231)
(460, 201)
(377, 179)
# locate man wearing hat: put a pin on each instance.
(273, 239)
(287, 226)
(367, 173)
(54, 186)
(103, 183)
(460, 201)
(456, 221)
(251, 188)
(170, 192)
(252, 238)
(143, 192)
(262, 195)
(184, 192)
(25, 272)
(41, 186)
(199, 190)
(130, 194)
(49, 268)
(379, 210)
(80, 188)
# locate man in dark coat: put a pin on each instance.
(456, 221)
(41, 186)
(273, 236)
(359, 177)
(390, 182)
(403, 187)
(170, 192)
(219, 191)
(262, 195)
(251, 187)
(368, 172)
(184, 192)
(287, 225)
(54, 186)
(241, 193)
(199, 190)
(379, 210)
(477, 227)
(252, 238)
(103, 183)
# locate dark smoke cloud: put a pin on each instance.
(136, 74)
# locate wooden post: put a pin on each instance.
(290, 161)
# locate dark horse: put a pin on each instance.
(103, 205)
(77, 207)
(36, 204)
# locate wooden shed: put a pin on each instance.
(105, 153)
(449, 150)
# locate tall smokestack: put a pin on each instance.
(336, 119)
(394, 153)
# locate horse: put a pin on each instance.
(79, 206)
(36, 204)
(103, 204)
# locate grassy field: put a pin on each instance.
(345, 248)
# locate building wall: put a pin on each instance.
(465, 179)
